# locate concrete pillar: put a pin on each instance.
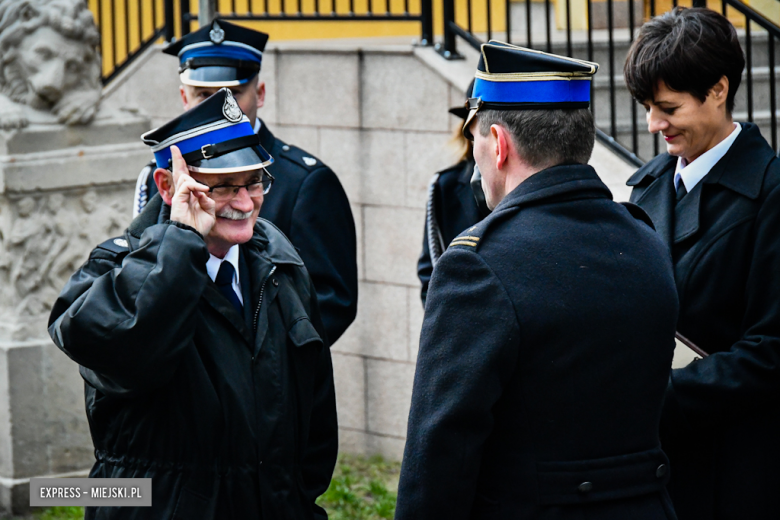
(63, 190)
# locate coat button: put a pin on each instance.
(585, 487)
(661, 471)
(275, 282)
(286, 148)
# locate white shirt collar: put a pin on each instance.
(214, 263)
(258, 124)
(692, 173)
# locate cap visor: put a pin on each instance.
(461, 111)
(216, 76)
(243, 160)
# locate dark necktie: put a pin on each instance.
(224, 283)
(681, 191)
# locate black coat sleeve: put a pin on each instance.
(424, 266)
(324, 231)
(319, 457)
(726, 383)
(468, 352)
(116, 320)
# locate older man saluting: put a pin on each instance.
(549, 326)
(199, 339)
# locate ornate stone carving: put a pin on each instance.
(49, 62)
(49, 237)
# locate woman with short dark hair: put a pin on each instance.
(714, 197)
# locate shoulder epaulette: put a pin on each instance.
(300, 157)
(117, 246)
(469, 238)
(465, 240)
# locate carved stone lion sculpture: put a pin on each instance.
(48, 61)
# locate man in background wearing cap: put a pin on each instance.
(549, 327)
(200, 341)
(308, 203)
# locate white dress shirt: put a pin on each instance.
(692, 173)
(214, 263)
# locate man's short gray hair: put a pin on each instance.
(545, 138)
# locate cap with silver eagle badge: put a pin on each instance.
(509, 77)
(214, 137)
(220, 54)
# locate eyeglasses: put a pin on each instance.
(224, 192)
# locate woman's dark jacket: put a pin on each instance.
(232, 416)
(721, 421)
(454, 209)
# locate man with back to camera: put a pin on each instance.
(549, 327)
(308, 203)
(200, 341)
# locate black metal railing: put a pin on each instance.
(128, 28)
(605, 35)
(338, 10)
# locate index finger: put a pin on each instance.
(179, 165)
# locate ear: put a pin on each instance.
(503, 143)
(260, 94)
(184, 100)
(164, 181)
(720, 91)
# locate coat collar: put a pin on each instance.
(570, 181)
(740, 170)
(267, 139)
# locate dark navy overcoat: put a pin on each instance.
(309, 205)
(721, 420)
(545, 351)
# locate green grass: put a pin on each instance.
(361, 489)
(61, 513)
(54, 513)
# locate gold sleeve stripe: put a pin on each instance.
(463, 243)
(475, 239)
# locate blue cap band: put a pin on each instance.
(163, 157)
(543, 91)
(221, 51)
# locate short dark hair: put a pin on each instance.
(689, 49)
(545, 138)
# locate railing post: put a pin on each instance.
(426, 15)
(699, 3)
(185, 17)
(450, 48)
(169, 25)
(206, 12)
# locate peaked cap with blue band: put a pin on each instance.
(214, 137)
(219, 55)
(515, 78)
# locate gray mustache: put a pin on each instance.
(234, 214)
